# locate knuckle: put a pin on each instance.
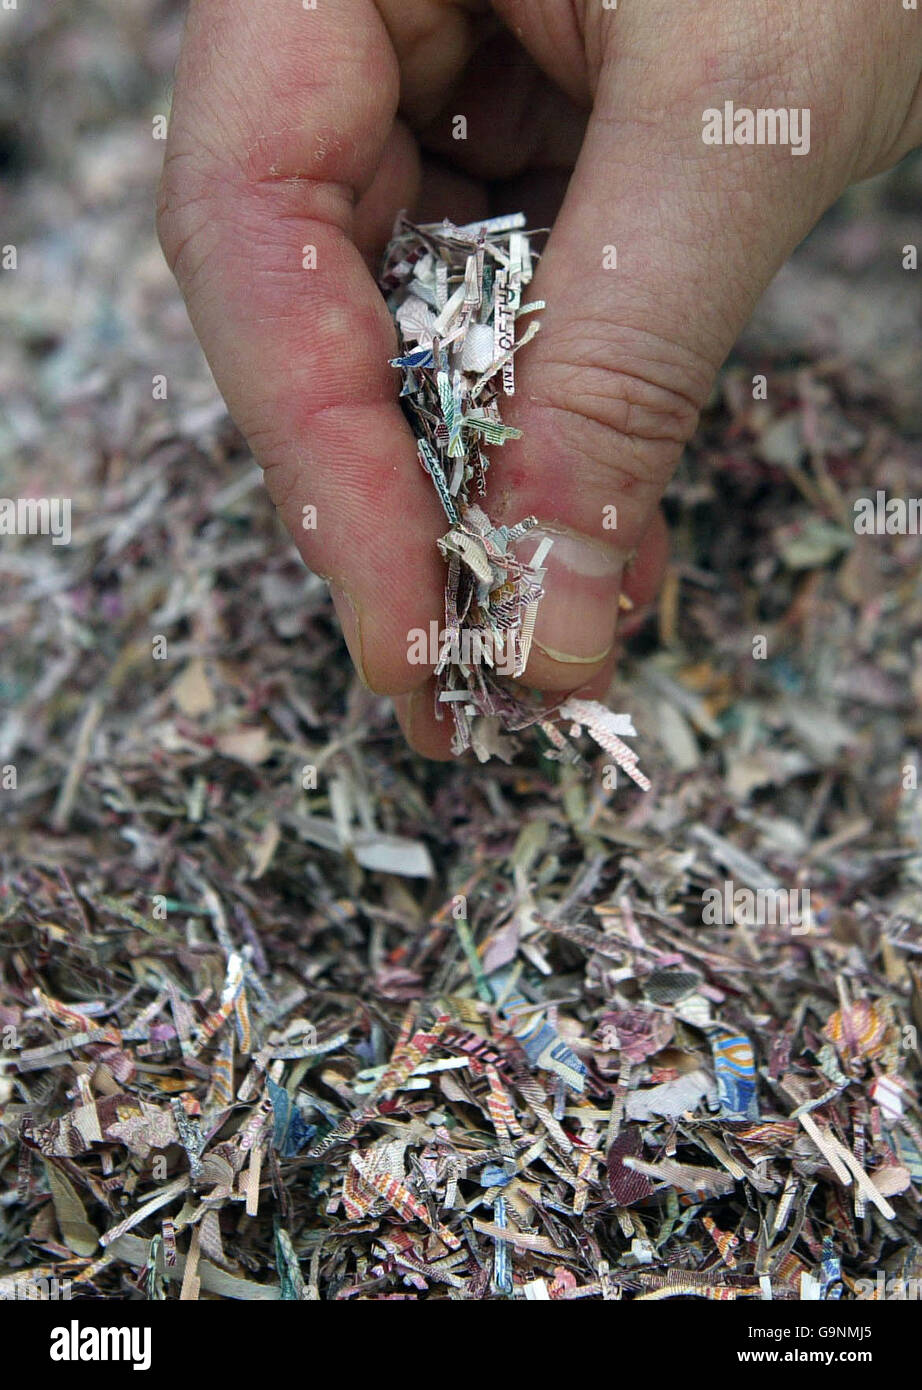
(184, 210)
(282, 478)
(628, 402)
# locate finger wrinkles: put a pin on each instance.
(620, 399)
(192, 215)
(594, 460)
(604, 423)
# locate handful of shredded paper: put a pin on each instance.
(456, 297)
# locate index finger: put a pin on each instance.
(283, 117)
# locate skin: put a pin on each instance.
(293, 127)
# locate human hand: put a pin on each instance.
(296, 127)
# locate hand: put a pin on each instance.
(295, 127)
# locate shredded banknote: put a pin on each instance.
(457, 297)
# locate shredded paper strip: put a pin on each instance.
(456, 294)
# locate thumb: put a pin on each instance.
(657, 256)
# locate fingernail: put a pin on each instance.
(409, 706)
(348, 615)
(582, 584)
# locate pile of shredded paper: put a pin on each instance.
(456, 297)
(289, 1012)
